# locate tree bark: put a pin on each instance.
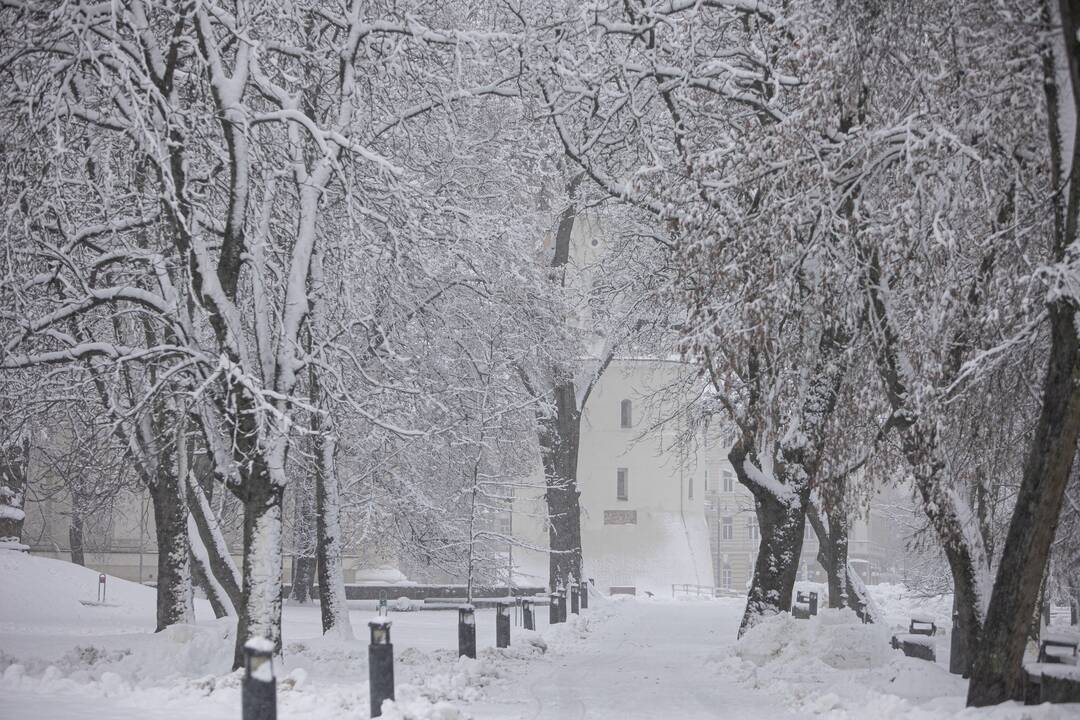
(305, 569)
(559, 443)
(332, 600)
(782, 525)
(997, 674)
(959, 540)
(260, 607)
(838, 555)
(174, 598)
(202, 575)
(304, 521)
(560, 438)
(14, 463)
(75, 537)
(855, 595)
(207, 534)
(333, 605)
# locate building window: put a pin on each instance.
(725, 578)
(727, 529)
(752, 531)
(729, 481)
(622, 484)
(626, 414)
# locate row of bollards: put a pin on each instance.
(579, 599)
(259, 686)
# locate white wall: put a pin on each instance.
(669, 543)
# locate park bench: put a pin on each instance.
(918, 641)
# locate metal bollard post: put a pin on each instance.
(101, 588)
(527, 615)
(574, 607)
(466, 632)
(380, 665)
(813, 603)
(584, 592)
(258, 693)
(562, 605)
(502, 624)
(553, 609)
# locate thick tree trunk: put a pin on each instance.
(997, 673)
(332, 600)
(207, 534)
(782, 525)
(174, 598)
(560, 438)
(260, 607)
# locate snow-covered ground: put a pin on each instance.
(632, 658)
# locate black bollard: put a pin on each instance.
(380, 665)
(813, 603)
(553, 609)
(259, 690)
(466, 632)
(584, 592)
(574, 607)
(562, 605)
(527, 615)
(502, 624)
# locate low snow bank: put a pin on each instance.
(42, 590)
(62, 659)
(900, 604)
(834, 666)
(833, 639)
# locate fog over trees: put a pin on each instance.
(306, 269)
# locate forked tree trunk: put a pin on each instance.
(559, 443)
(782, 493)
(202, 575)
(997, 673)
(260, 607)
(854, 594)
(782, 524)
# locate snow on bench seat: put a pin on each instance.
(915, 639)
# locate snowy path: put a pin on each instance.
(651, 660)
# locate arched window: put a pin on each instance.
(626, 414)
